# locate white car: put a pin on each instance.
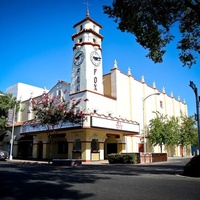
(3, 155)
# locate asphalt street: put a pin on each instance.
(25, 180)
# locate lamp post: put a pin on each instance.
(193, 86)
(12, 132)
(144, 129)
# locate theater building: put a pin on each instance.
(118, 109)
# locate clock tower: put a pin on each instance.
(87, 58)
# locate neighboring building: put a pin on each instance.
(24, 91)
(118, 109)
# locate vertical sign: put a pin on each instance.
(10, 116)
(95, 80)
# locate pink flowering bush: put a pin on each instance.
(52, 112)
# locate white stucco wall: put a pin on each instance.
(24, 91)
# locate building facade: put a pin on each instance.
(118, 109)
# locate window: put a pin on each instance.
(94, 40)
(81, 27)
(59, 93)
(94, 145)
(161, 104)
(80, 40)
(62, 147)
(77, 145)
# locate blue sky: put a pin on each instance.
(36, 48)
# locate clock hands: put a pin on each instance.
(77, 57)
(96, 58)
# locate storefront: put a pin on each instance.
(97, 137)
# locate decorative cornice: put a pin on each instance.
(87, 31)
(86, 43)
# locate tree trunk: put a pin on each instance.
(161, 148)
(50, 149)
(182, 151)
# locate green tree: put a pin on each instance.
(157, 130)
(188, 132)
(195, 139)
(6, 103)
(172, 129)
(53, 112)
(151, 22)
(163, 130)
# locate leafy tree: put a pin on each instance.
(157, 130)
(6, 103)
(188, 132)
(163, 130)
(195, 139)
(152, 22)
(53, 112)
(172, 130)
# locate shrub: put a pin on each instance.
(122, 158)
(192, 168)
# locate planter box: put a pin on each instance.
(95, 156)
(153, 157)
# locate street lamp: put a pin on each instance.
(12, 133)
(144, 129)
(193, 86)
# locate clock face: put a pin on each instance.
(78, 58)
(95, 58)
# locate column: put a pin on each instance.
(45, 150)
(121, 147)
(86, 150)
(101, 150)
(70, 149)
(35, 150)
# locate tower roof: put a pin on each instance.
(87, 18)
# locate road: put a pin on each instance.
(23, 180)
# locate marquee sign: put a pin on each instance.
(38, 127)
(114, 124)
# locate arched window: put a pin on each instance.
(77, 145)
(62, 147)
(94, 145)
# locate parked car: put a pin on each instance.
(3, 155)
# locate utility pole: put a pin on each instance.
(193, 86)
(144, 124)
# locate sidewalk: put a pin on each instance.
(170, 160)
(46, 162)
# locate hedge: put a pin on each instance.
(122, 158)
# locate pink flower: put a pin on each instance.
(33, 101)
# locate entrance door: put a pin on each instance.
(40, 149)
(111, 148)
(141, 147)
